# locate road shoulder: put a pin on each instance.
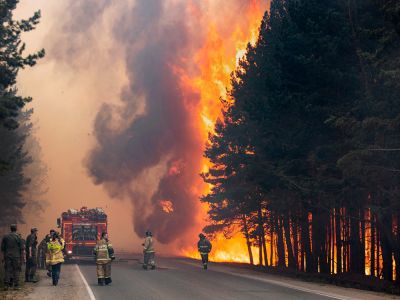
(69, 287)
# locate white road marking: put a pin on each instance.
(280, 283)
(89, 290)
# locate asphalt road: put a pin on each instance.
(184, 279)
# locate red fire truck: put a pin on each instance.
(81, 229)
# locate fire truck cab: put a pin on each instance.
(81, 229)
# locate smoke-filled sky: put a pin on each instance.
(123, 101)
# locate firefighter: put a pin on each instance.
(12, 247)
(104, 253)
(55, 256)
(31, 256)
(204, 246)
(148, 251)
(47, 254)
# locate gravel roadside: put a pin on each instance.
(69, 287)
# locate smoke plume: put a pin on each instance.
(149, 142)
(154, 136)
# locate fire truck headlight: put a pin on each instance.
(69, 252)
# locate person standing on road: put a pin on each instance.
(31, 256)
(42, 250)
(56, 256)
(204, 246)
(148, 251)
(104, 253)
(12, 247)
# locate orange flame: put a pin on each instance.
(167, 206)
(217, 59)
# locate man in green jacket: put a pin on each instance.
(31, 256)
(12, 247)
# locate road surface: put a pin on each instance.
(176, 279)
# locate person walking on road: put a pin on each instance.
(12, 247)
(31, 256)
(47, 254)
(148, 251)
(55, 256)
(104, 253)
(204, 246)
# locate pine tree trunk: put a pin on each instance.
(338, 241)
(397, 250)
(386, 244)
(372, 268)
(296, 243)
(246, 234)
(262, 235)
(355, 244)
(309, 266)
(271, 246)
(362, 254)
(291, 263)
(281, 248)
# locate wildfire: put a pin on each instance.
(167, 206)
(217, 59)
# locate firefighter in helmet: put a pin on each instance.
(204, 246)
(104, 253)
(148, 251)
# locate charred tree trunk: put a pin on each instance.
(247, 236)
(262, 235)
(386, 244)
(319, 240)
(306, 246)
(291, 261)
(271, 246)
(260, 256)
(355, 243)
(280, 246)
(372, 268)
(397, 250)
(362, 254)
(338, 241)
(296, 243)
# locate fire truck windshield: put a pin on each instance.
(83, 232)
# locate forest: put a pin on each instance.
(17, 145)
(306, 156)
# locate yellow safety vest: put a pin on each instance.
(55, 254)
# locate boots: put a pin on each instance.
(101, 281)
(108, 280)
(205, 266)
(27, 278)
(33, 279)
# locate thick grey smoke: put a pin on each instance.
(160, 132)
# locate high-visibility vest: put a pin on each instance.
(55, 252)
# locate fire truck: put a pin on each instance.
(81, 229)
